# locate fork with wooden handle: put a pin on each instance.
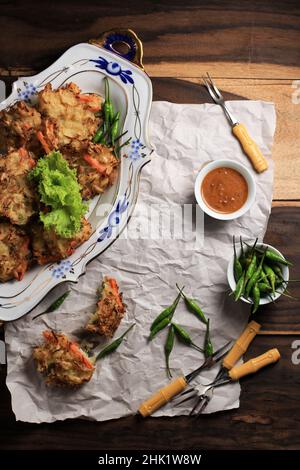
(239, 348)
(180, 387)
(169, 391)
(239, 130)
(250, 367)
(235, 353)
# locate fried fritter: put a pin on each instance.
(62, 361)
(69, 116)
(18, 127)
(18, 201)
(49, 247)
(96, 166)
(110, 310)
(14, 252)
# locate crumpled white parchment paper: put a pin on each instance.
(184, 137)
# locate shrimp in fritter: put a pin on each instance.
(18, 200)
(110, 310)
(49, 247)
(14, 252)
(69, 116)
(19, 125)
(96, 167)
(62, 361)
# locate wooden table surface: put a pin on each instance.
(252, 50)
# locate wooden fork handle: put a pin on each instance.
(249, 367)
(241, 345)
(250, 148)
(162, 397)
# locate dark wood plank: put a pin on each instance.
(166, 89)
(190, 31)
(182, 91)
(267, 419)
(284, 233)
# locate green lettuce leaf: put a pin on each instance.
(59, 190)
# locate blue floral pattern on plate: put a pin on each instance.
(135, 150)
(114, 219)
(114, 69)
(60, 269)
(27, 92)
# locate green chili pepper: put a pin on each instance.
(208, 347)
(184, 336)
(264, 278)
(107, 108)
(277, 270)
(114, 345)
(193, 307)
(114, 128)
(239, 287)
(251, 253)
(55, 305)
(272, 256)
(264, 287)
(271, 276)
(242, 257)
(251, 268)
(237, 266)
(99, 135)
(166, 313)
(255, 277)
(169, 347)
(158, 327)
(256, 298)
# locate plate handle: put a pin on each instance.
(123, 42)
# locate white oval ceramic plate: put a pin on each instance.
(131, 92)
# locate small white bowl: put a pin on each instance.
(267, 299)
(235, 166)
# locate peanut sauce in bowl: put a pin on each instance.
(225, 189)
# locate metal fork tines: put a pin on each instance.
(190, 391)
(210, 361)
(218, 97)
(202, 402)
(205, 397)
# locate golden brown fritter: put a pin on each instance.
(110, 310)
(14, 252)
(62, 361)
(18, 200)
(49, 247)
(96, 166)
(69, 115)
(19, 125)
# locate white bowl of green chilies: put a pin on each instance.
(257, 274)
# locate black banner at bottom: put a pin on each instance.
(136, 459)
